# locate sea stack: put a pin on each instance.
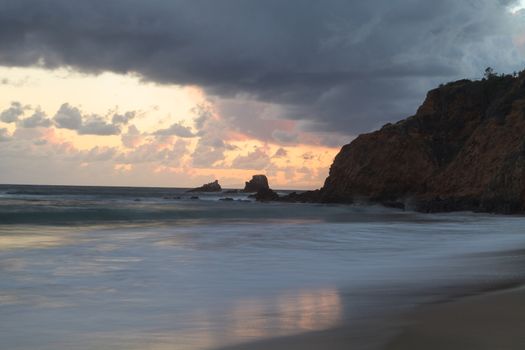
(257, 183)
(210, 187)
(263, 192)
(464, 149)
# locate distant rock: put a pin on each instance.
(211, 187)
(194, 197)
(266, 195)
(257, 183)
(227, 199)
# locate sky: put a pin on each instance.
(183, 92)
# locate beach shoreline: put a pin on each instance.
(490, 317)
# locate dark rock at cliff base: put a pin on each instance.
(211, 187)
(257, 183)
(266, 195)
(303, 197)
(464, 149)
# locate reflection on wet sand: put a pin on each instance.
(310, 310)
(287, 314)
(248, 319)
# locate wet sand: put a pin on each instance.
(333, 339)
(490, 321)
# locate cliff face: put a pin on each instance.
(463, 150)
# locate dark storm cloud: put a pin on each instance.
(342, 65)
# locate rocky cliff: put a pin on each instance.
(464, 149)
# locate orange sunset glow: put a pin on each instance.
(172, 136)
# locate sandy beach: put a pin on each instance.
(490, 321)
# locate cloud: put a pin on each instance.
(308, 156)
(72, 118)
(257, 160)
(254, 119)
(176, 129)
(14, 83)
(68, 117)
(38, 119)
(62, 163)
(167, 153)
(280, 153)
(40, 142)
(284, 136)
(209, 150)
(98, 154)
(132, 138)
(212, 132)
(11, 114)
(123, 119)
(4, 135)
(343, 66)
(203, 115)
(96, 125)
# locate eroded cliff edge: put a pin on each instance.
(464, 149)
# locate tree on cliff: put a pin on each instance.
(489, 73)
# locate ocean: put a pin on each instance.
(152, 268)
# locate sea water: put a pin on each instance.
(151, 268)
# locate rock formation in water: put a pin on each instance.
(263, 192)
(464, 149)
(266, 195)
(257, 183)
(211, 187)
